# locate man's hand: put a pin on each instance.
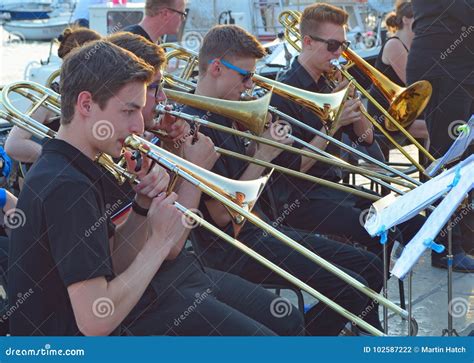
(176, 128)
(153, 179)
(165, 222)
(202, 152)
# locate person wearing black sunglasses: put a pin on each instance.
(323, 209)
(161, 17)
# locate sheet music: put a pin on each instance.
(456, 150)
(441, 215)
(386, 213)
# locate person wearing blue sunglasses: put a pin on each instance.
(227, 60)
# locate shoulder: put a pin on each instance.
(395, 46)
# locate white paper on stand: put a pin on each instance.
(456, 150)
(441, 215)
(386, 212)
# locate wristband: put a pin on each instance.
(139, 210)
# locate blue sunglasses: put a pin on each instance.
(246, 75)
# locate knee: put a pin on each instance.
(295, 324)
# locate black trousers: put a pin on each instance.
(360, 264)
(210, 303)
(450, 102)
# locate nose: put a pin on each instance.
(137, 125)
(161, 96)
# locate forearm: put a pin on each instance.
(25, 151)
(122, 293)
(130, 238)
(364, 130)
(318, 142)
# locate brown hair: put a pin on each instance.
(101, 68)
(153, 6)
(394, 20)
(75, 37)
(150, 52)
(319, 13)
(227, 41)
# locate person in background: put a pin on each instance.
(161, 17)
(442, 53)
(392, 62)
(80, 16)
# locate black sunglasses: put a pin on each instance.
(183, 14)
(332, 44)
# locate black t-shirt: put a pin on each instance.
(137, 29)
(283, 186)
(443, 45)
(215, 252)
(63, 238)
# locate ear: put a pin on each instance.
(214, 69)
(84, 103)
(306, 41)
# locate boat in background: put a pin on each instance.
(31, 10)
(44, 29)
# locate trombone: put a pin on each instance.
(220, 192)
(326, 106)
(406, 104)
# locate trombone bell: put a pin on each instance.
(244, 193)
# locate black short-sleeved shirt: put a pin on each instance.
(137, 29)
(63, 238)
(210, 248)
(443, 45)
(283, 185)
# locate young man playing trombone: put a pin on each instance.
(83, 275)
(323, 209)
(227, 61)
(184, 277)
